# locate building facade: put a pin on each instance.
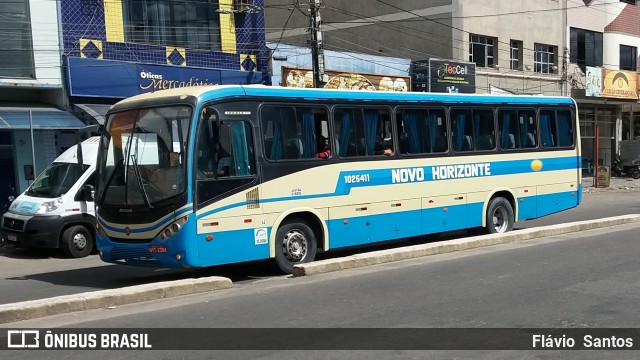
(604, 37)
(34, 123)
(119, 48)
(65, 62)
(517, 47)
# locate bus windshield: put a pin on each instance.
(143, 155)
(56, 180)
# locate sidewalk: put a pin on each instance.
(616, 184)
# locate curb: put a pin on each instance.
(443, 247)
(105, 298)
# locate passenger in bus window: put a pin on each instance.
(324, 152)
(383, 147)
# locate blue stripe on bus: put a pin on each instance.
(358, 231)
(398, 225)
(380, 177)
(161, 224)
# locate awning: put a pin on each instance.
(96, 111)
(42, 118)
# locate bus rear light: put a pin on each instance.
(247, 221)
(178, 257)
(209, 237)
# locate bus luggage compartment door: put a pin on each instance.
(349, 225)
(395, 219)
(444, 213)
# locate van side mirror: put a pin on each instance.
(28, 172)
(86, 193)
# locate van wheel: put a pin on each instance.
(500, 216)
(295, 244)
(76, 241)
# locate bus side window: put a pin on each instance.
(483, 129)
(292, 132)
(462, 130)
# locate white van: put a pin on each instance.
(57, 210)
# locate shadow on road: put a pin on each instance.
(108, 276)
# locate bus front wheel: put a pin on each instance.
(500, 216)
(76, 241)
(296, 244)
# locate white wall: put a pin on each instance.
(611, 48)
(46, 45)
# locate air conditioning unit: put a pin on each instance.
(243, 6)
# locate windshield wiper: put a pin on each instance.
(111, 177)
(136, 169)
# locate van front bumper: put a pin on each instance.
(31, 231)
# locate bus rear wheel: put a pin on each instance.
(500, 218)
(295, 244)
(76, 241)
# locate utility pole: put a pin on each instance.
(317, 46)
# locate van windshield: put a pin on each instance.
(55, 180)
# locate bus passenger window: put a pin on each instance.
(363, 132)
(422, 131)
(292, 132)
(462, 130)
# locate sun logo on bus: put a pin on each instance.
(536, 165)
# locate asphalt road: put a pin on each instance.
(584, 280)
(30, 275)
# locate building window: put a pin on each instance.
(544, 60)
(586, 48)
(180, 23)
(516, 55)
(16, 50)
(482, 50)
(628, 56)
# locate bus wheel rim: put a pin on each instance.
(294, 246)
(79, 241)
(500, 219)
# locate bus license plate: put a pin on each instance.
(12, 237)
(157, 249)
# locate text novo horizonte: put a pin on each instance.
(442, 172)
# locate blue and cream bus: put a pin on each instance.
(202, 176)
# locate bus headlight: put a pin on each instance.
(172, 228)
(49, 206)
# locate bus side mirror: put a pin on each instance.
(87, 193)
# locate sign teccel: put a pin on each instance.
(435, 75)
(448, 69)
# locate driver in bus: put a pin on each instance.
(223, 159)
